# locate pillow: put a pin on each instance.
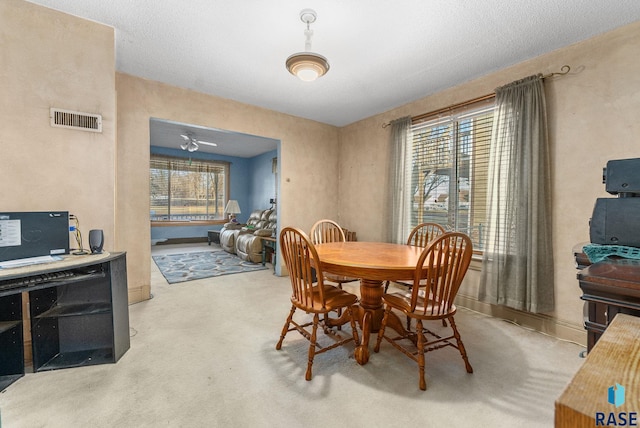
(232, 226)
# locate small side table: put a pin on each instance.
(213, 236)
(271, 244)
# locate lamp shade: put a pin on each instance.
(307, 66)
(232, 207)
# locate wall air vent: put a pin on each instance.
(75, 120)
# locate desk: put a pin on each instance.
(373, 262)
(614, 359)
(79, 314)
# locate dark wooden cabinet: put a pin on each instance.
(608, 288)
(78, 313)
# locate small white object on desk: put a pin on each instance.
(28, 261)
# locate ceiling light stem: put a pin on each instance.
(307, 44)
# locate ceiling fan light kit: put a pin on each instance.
(307, 66)
(191, 144)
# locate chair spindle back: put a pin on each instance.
(446, 261)
(424, 233)
(324, 231)
(297, 251)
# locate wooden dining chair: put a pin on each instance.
(420, 236)
(313, 298)
(329, 231)
(445, 262)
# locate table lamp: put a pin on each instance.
(232, 209)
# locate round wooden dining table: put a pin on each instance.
(373, 263)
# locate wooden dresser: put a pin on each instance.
(609, 287)
(614, 360)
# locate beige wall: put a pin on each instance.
(325, 171)
(49, 59)
(53, 59)
(308, 160)
(593, 115)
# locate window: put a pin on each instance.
(188, 189)
(449, 156)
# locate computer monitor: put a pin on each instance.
(33, 234)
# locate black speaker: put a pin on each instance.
(96, 241)
(622, 177)
(615, 221)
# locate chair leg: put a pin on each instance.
(461, 348)
(382, 327)
(340, 309)
(285, 329)
(386, 286)
(312, 346)
(352, 313)
(421, 342)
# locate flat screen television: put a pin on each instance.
(33, 234)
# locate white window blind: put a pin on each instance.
(188, 189)
(447, 169)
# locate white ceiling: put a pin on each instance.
(383, 53)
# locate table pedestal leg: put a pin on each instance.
(371, 313)
(370, 316)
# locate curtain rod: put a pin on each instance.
(563, 70)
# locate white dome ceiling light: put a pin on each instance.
(307, 66)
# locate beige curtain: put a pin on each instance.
(517, 266)
(399, 215)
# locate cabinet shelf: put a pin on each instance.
(49, 279)
(78, 313)
(8, 325)
(7, 380)
(82, 358)
(77, 309)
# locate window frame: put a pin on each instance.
(167, 222)
(451, 117)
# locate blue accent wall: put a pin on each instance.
(263, 181)
(252, 184)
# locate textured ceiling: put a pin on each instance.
(383, 53)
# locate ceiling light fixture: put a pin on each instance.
(308, 66)
(191, 144)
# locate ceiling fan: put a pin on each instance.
(191, 144)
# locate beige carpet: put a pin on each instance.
(203, 355)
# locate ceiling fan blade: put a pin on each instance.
(185, 137)
(207, 143)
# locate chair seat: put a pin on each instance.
(424, 307)
(334, 298)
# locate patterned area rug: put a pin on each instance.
(189, 266)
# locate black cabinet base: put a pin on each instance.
(78, 359)
(78, 312)
(5, 381)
